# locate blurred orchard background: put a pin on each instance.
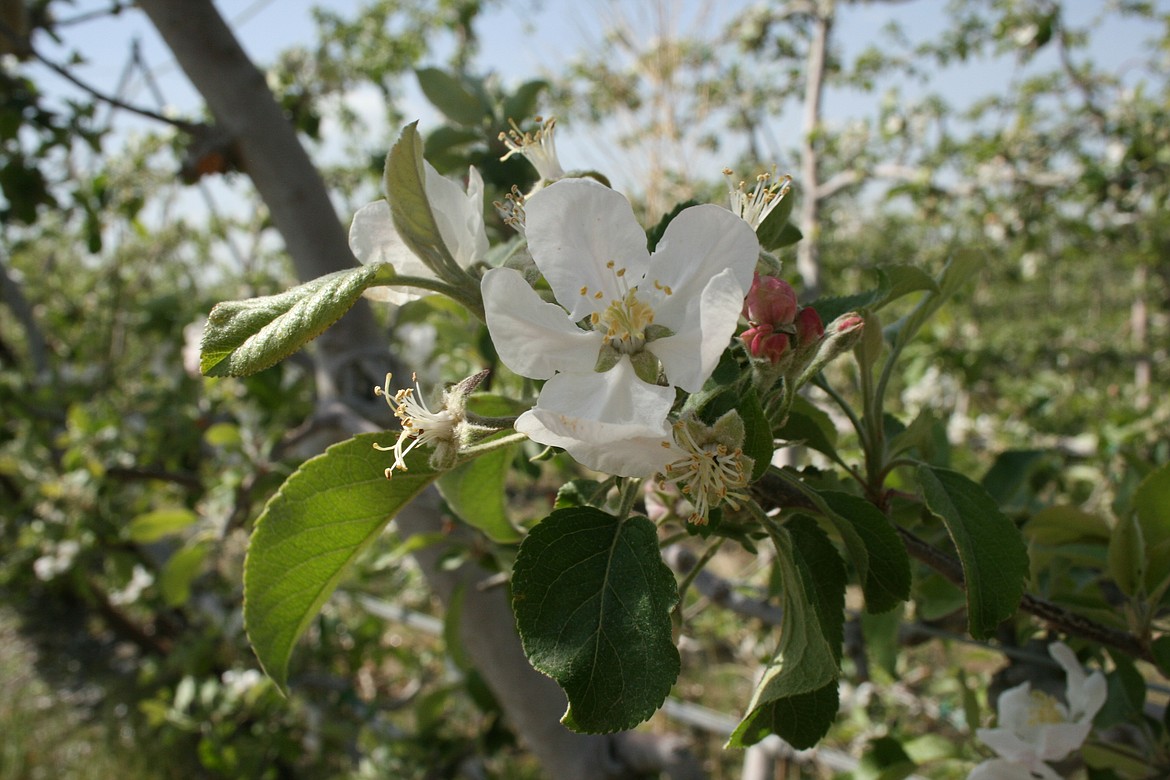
(142, 182)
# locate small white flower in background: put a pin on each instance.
(1035, 728)
(756, 204)
(538, 147)
(458, 215)
(140, 580)
(631, 325)
(58, 561)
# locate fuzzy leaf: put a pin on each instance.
(243, 337)
(325, 514)
(592, 599)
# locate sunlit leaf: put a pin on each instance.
(325, 514)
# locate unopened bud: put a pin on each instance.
(771, 301)
(841, 335)
(809, 328)
(763, 342)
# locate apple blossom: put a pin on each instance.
(458, 214)
(1035, 728)
(538, 147)
(630, 325)
(755, 205)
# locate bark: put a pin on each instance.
(291, 187)
(807, 258)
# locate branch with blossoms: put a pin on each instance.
(659, 368)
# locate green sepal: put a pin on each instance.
(646, 366)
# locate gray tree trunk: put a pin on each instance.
(292, 188)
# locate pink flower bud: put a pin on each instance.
(770, 300)
(809, 327)
(847, 323)
(763, 342)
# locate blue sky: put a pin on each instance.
(525, 39)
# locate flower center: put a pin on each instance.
(1043, 710)
(708, 474)
(420, 425)
(625, 322)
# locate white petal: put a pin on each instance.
(1085, 693)
(459, 216)
(610, 422)
(999, 769)
(699, 243)
(1014, 708)
(700, 336)
(1055, 741)
(574, 228)
(534, 338)
(1007, 744)
(613, 396)
(374, 239)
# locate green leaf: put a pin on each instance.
(757, 443)
(900, 279)
(475, 492)
(521, 104)
(243, 337)
(1151, 504)
(959, 269)
(450, 96)
(811, 426)
(992, 552)
(325, 514)
(801, 719)
(592, 599)
(797, 696)
(1009, 474)
(177, 575)
(1062, 525)
(1127, 555)
(159, 524)
(404, 181)
(886, 577)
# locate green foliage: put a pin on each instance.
(325, 515)
(995, 562)
(593, 600)
(797, 696)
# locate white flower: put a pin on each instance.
(458, 215)
(420, 425)
(755, 205)
(633, 325)
(1035, 728)
(538, 147)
